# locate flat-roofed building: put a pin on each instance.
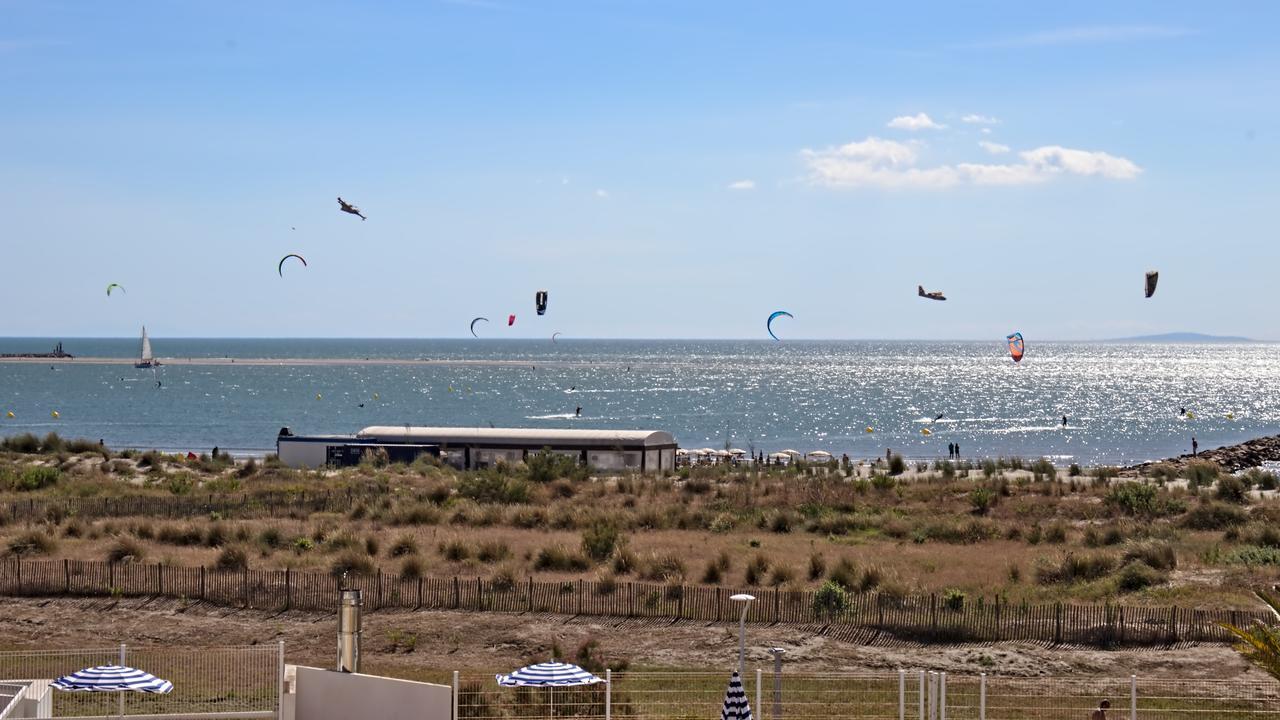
(648, 451)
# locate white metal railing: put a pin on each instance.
(216, 682)
(900, 695)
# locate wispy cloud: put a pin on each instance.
(919, 121)
(600, 193)
(994, 148)
(876, 162)
(1081, 35)
(976, 119)
(742, 185)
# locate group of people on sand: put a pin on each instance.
(953, 450)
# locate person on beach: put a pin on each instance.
(957, 451)
(1101, 712)
(1064, 421)
(951, 451)
(1195, 446)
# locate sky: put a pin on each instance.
(664, 169)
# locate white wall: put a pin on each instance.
(296, 454)
(329, 695)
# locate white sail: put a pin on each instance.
(146, 346)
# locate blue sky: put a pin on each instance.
(664, 169)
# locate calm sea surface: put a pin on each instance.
(1122, 401)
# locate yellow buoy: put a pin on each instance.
(926, 431)
(1230, 416)
(870, 429)
(375, 396)
(1191, 416)
(318, 396)
(10, 414)
(54, 414)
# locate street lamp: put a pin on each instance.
(746, 601)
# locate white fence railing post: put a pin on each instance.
(280, 682)
(608, 694)
(922, 695)
(123, 659)
(759, 694)
(456, 688)
(1133, 697)
(902, 694)
(982, 697)
(942, 696)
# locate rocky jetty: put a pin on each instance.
(57, 353)
(1231, 458)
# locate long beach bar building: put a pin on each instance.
(648, 451)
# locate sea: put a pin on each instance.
(1123, 403)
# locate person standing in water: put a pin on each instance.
(1195, 447)
(1064, 421)
(578, 412)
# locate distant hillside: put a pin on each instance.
(1184, 337)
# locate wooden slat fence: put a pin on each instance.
(926, 618)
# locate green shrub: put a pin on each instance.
(897, 465)
(1214, 516)
(32, 542)
(1044, 466)
(1253, 556)
(1231, 489)
(712, 575)
(1201, 473)
(492, 551)
(352, 563)
(953, 600)
(600, 539)
(664, 568)
(36, 477)
(981, 499)
(1056, 534)
(215, 535)
(180, 483)
(817, 566)
(52, 443)
(1141, 500)
(412, 568)
(624, 562)
(830, 599)
(455, 550)
(545, 466)
(490, 486)
(25, 443)
(232, 557)
(882, 482)
(1137, 575)
(1075, 568)
(558, 558)
(781, 575)
(303, 544)
(1162, 472)
(372, 546)
(844, 574)
(125, 549)
(754, 573)
(1074, 470)
(1153, 553)
(404, 545)
(1261, 479)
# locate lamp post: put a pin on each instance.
(746, 601)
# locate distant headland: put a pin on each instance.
(1184, 337)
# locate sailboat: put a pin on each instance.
(145, 360)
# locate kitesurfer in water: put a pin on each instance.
(578, 412)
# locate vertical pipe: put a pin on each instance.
(982, 697)
(902, 694)
(1133, 697)
(280, 681)
(455, 695)
(922, 695)
(942, 696)
(759, 694)
(777, 684)
(349, 629)
(122, 664)
(608, 695)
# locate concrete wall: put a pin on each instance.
(328, 695)
(297, 454)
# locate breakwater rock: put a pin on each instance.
(1231, 458)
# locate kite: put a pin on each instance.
(1153, 277)
(768, 325)
(935, 295)
(511, 320)
(473, 325)
(350, 209)
(1017, 348)
(540, 302)
(115, 285)
(280, 267)
(553, 336)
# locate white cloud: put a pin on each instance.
(742, 185)
(994, 148)
(976, 119)
(1085, 35)
(986, 131)
(601, 193)
(919, 121)
(875, 162)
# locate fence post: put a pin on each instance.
(288, 588)
(942, 696)
(922, 695)
(679, 603)
(529, 598)
(631, 599)
(201, 582)
(419, 606)
(777, 604)
(608, 694)
(123, 660)
(111, 577)
(902, 694)
(580, 594)
(479, 593)
(1133, 697)
(718, 605)
(280, 681)
(759, 694)
(1057, 623)
(982, 697)
(933, 614)
(66, 573)
(160, 579)
(455, 695)
(244, 584)
(379, 605)
(457, 593)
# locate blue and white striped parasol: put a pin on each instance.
(736, 706)
(548, 674)
(112, 678)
